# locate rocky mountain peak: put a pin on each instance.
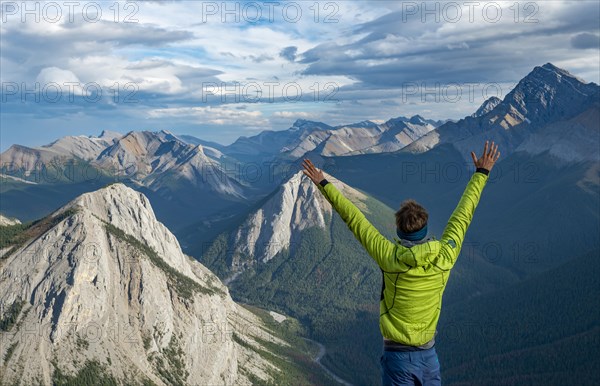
(110, 135)
(417, 119)
(554, 71)
(549, 93)
(101, 281)
(487, 106)
(276, 225)
(304, 124)
(130, 211)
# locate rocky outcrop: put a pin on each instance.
(8, 221)
(277, 224)
(487, 106)
(102, 284)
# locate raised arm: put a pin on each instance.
(454, 233)
(384, 252)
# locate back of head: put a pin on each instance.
(411, 217)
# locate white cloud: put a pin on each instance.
(220, 115)
(367, 53)
(294, 114)
(58, 81)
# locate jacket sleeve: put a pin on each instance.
(454, 233)
(383, 251)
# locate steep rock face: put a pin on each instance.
(84, 147)
(398, 133)
(269, 142)
(102, 281)
(197, 167)
(576, 139)
(361, 138)
(275, 226)
(25, 160)
(547, 95)
(340, 141)
(356, 138)
(160, 160)
(81, 146)
(157, 160)
(140, 153)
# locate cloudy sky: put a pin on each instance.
(219, 70)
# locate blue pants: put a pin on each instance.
(410, 368)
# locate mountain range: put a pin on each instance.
(178, 172)
(148, 156)
(547, 95)
(276, 243)
(307, 136)
(112, 299)
(540, 210)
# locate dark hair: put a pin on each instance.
(411, 216)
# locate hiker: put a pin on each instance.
(415, 271)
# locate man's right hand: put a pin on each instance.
(316, 175)
(488, 158)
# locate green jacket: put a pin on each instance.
(415, 277)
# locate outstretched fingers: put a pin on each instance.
(474, 157)
(309, 166)
(488, 158)
(493, 150)
(310, 169)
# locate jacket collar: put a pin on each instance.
(408, 243)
